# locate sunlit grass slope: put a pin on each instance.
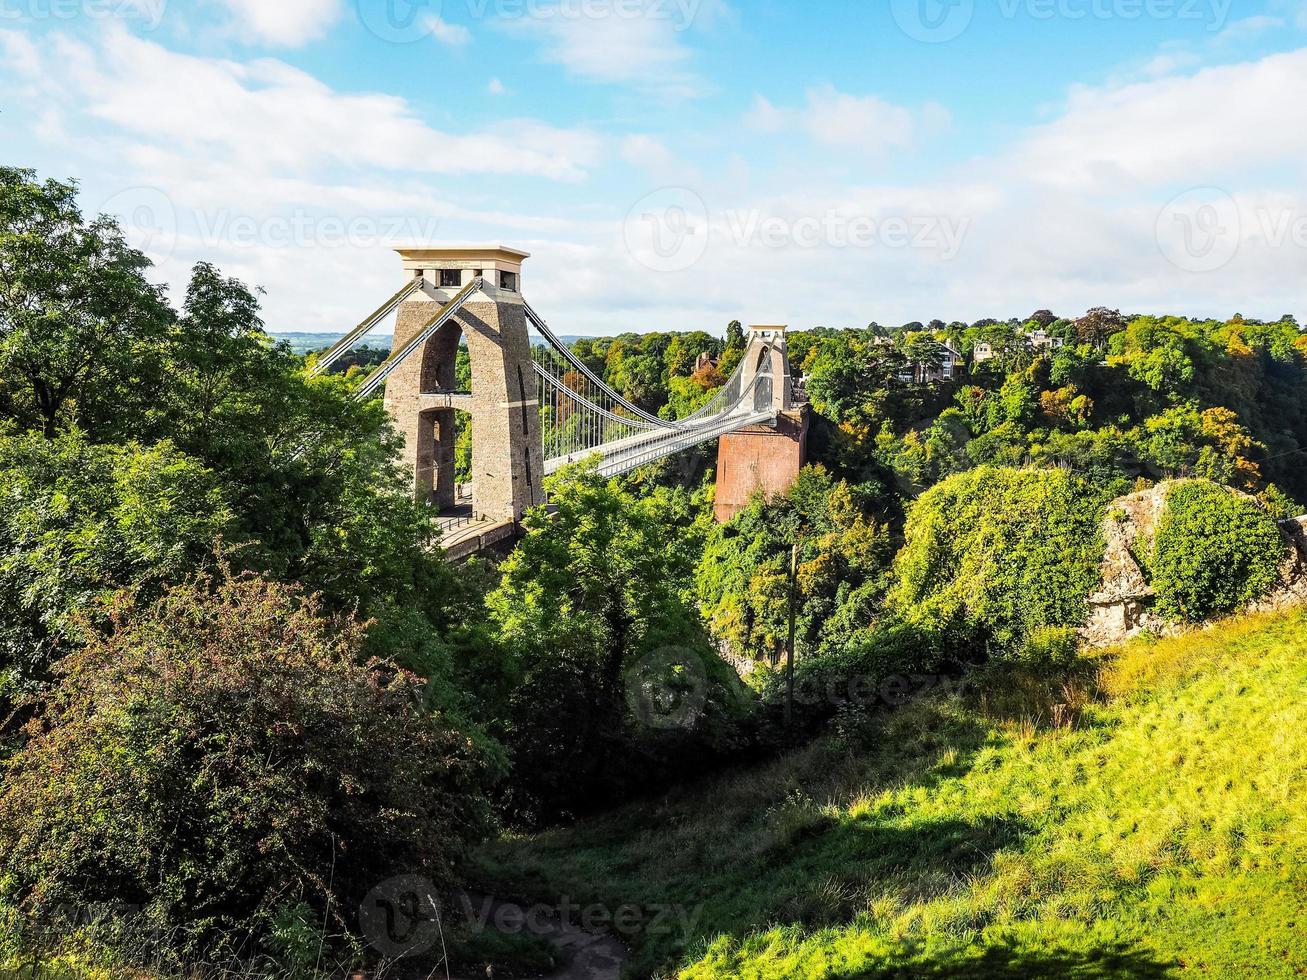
(1162, 833)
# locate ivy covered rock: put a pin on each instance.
(995, 553)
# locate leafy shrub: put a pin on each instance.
(1213, 552)
(884, 668)
(220, 758)
(993, 554)
(1049, 650)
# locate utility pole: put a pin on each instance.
(789, 651)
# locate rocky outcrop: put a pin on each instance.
(1123, 605)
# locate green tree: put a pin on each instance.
(595, 588)
(1098, 325)
(742, 579)
(79, 322)
(852, 378)
(82, 522)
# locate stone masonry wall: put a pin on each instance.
(760, 458)
(507, 457)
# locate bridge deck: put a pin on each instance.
(464, 536)
(635, 451)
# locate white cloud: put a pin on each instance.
(1071, 214)
(1168, 63)
(639, 43)
(1192, 129)
(496, 87)
(866, 123)
(646, 151)
(19, 53)
(266, 116)
(263, 169)
(1296, 10)
(764, 117)
(455, 35)
(1249, 28)
(651, 156)
(286, 23)
(1065, 215)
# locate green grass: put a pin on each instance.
(1160, 831)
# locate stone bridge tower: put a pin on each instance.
(763, 459)
(422, 394)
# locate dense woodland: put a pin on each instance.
(239, 687)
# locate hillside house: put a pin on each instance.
(1040, 340)
(946, 367)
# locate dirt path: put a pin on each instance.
(590, 956)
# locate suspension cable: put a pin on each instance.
(342, 346)
(446, 313)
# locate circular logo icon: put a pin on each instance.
(667, 231)
(933, 21)
(1200, 230)
(400, 21)
(148, 219)
(399, 917)
(668, 689)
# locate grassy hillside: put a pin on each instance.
(1160, 830)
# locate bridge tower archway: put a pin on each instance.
(503, 404)
(763, 458)
(768, 356)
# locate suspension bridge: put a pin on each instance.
(534, 405)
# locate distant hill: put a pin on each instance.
(303, 343)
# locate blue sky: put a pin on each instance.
(674, 164)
